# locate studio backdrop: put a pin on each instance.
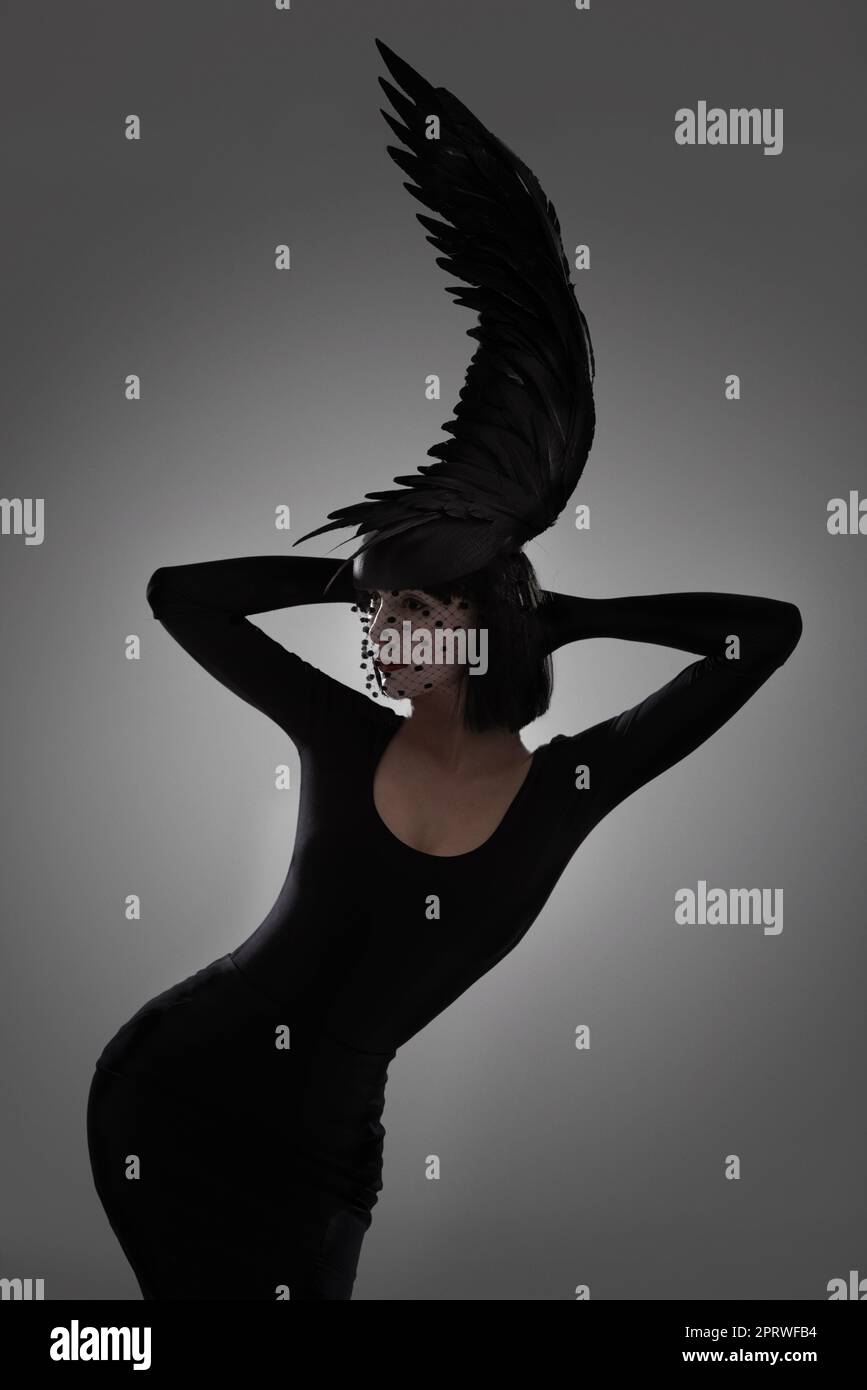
(222, 321)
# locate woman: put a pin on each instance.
(234, 1122)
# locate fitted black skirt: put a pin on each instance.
(237, 1153)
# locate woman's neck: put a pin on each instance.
(436, 729)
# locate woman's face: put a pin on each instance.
(409, 636)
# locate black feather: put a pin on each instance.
(524, 423)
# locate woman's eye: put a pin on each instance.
(413, 604)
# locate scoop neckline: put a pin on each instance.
(467, 853)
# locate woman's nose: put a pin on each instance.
(385, 617)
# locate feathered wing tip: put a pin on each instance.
(525, 420)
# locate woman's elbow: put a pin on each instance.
(786, 630)
(159, 588)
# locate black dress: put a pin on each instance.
(234, 1123)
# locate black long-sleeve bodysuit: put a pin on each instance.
(251, 1093)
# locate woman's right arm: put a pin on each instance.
(204, 607)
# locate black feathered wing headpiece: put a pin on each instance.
(525, 420)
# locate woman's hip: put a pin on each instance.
(200, 1215)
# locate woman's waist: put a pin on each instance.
(218, 1024)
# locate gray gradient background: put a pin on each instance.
(306, 388)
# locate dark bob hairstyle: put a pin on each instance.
(517, 686)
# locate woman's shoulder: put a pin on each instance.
(337, 711)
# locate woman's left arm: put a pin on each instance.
(742, 640)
